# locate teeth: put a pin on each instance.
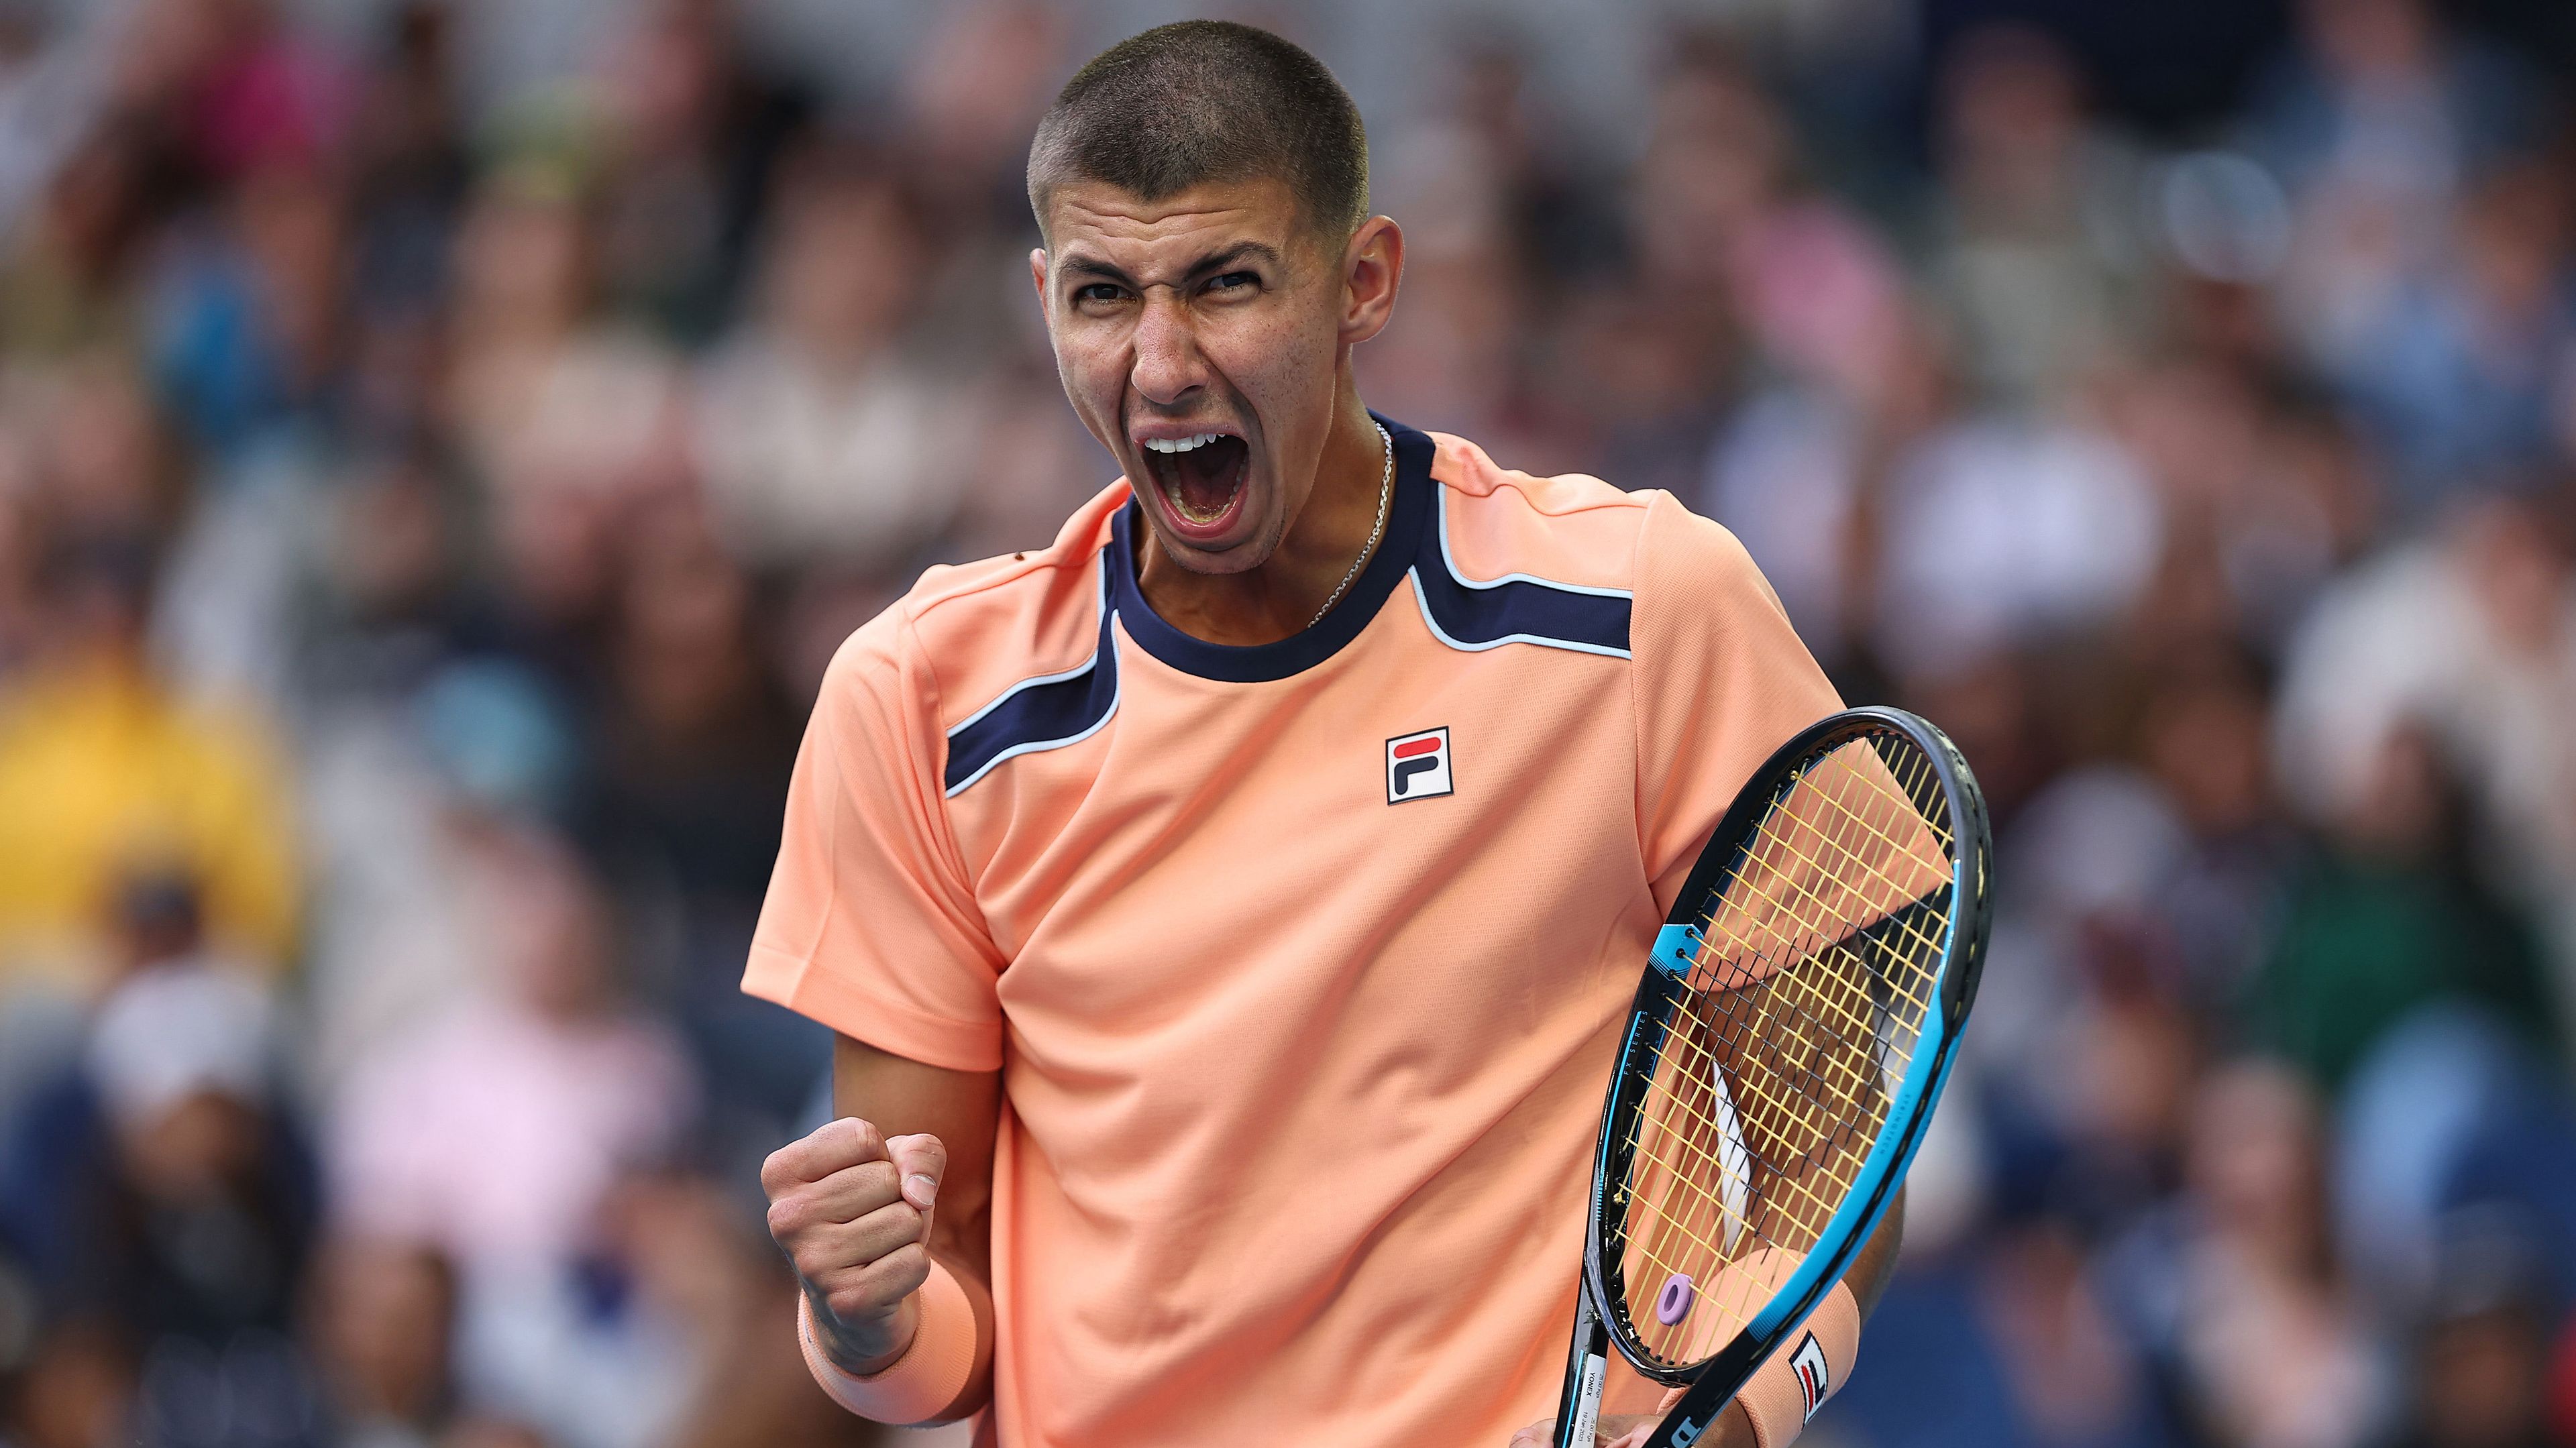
(1181, 444)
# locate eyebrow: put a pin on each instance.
(1080, 264)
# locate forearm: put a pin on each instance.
(1872, 1270)
(967, 1253)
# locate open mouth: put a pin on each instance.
(1201, 476)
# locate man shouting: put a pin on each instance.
(1228, 910)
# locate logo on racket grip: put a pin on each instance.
(1815, 1379)
(1417, 766)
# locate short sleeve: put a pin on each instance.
(870, 925)
(1721, 681)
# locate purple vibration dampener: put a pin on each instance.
(1674, 1302)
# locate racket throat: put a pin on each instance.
(1587, 1402)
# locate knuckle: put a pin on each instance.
(787, 1217)
(875, 1185)
(897, 1275)
(864, 1140)
(893, 1223)
(912, 1271)
(853, 1304)
(873, 1238)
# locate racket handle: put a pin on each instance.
(1578, 1407)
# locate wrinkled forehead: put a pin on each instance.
(1091, 224)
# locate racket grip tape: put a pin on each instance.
(925, 1379)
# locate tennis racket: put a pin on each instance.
(1798, 1016)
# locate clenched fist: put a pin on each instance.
(851, 1209)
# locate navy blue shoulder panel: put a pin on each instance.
(1516, 608)
(1047, 712)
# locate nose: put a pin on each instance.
(1168, 367)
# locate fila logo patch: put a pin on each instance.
(1417, 766)
(1815, 1380)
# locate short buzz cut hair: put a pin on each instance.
(1207, 100)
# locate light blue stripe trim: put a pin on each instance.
(1852, 1223)
(1441, 523)
(1040, 746)
(1423, 602)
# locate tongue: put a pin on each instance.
(1207, 475)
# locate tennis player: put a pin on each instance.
(1227, 911)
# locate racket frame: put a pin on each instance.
(1600, 1314)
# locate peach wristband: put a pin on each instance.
(1786, 1390)
(930, 1374)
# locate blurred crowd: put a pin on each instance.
(425, 514)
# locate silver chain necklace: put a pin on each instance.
(1385, 491)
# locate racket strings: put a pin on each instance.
(1690, 1133)
(1702, 1064)
(1832, 859)
(1769, 1087)
(1792, 1213)
(1690, 1233)
(1790, 1104)
(1912, 987)
(1686, 1141)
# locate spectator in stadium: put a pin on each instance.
(379, 1320)
(159, 1184)
(464, 1134)
(105, 769)
(825, 439)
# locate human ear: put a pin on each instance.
(1037, 275)
(1372, 265)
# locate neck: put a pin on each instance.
(1280, 597)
